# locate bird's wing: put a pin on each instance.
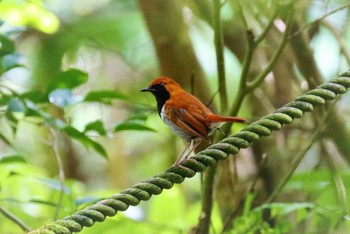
(191, 121)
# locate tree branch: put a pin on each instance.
(220, 58)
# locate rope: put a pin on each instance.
(199, 162)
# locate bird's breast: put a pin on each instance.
(177, 130)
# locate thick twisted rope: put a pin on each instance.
(199, 162)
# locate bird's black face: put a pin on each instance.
(161, 94)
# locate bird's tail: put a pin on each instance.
(219, 118)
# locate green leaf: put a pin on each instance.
(61, 97)
(281, 209)
(5, 99)
(15, 111)
(34, 96)
(16, 105)
(12, 159)
(12, 121)
(10, 61)
(133, 125)
(86, 141)
(7, 46)
(42, 202)
(248, 203)
(105, 96)
(96, 126)
(69, 79)
(312, 181)
(71, 131)
(141, 117)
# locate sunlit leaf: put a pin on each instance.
(86, 141)
(96, 126)
(29, 13)
(133, 125)
(12, 159)
(69, 79)
(13, 173)
(105, 96)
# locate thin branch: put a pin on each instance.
(267, 28)
(258, 80)
(55, 142)
(241, 14)
(340, 39)
(320, 19)
(243, 79)
(244, 86)
(219, 49)
(14, 219)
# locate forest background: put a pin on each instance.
(74, 127)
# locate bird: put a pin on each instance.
(185, 114)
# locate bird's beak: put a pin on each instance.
(148, 89)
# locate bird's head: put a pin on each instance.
(162, 88)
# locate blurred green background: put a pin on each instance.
(74, 127)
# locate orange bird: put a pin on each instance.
(185, 114)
